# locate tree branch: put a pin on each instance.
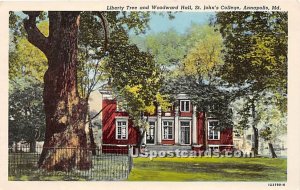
(34, 34)
(105, 27)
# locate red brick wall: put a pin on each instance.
(109, 125)
(108, 121)
(226, 136)
(200, 128)
(167, 141)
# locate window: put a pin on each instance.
(121, 130)
(167, 130)
(184, 105)
(185, 132)
(213, 134)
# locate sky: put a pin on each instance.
(180, 23)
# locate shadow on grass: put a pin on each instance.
(217, 171)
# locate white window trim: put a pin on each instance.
(219, 135)
(121, 120)
(189, 102)
(162, 128)
(186, 126)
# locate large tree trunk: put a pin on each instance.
(272, 151)
(65, 145)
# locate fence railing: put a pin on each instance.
(107, 163)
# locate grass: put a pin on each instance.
(158, 169)
(209, 169)
(107, 167)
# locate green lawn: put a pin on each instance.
(209, 169)
(23, 167)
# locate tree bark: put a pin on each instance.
(271, 148)
(32, 145)
(141, 138)
(65, 145)
(255, 131)
(91, 135)
(255, 139)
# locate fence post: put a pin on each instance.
(130, 162)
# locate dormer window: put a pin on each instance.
(184, 105)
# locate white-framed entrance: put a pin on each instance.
(185, 132)
(151, 133)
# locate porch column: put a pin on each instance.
(194, 125)
(176, 125)
(158, 125)
(145, 137)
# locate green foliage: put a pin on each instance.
(166, 47)
(135, 76)
(26, 111)
(27, 65)
(267, 116)
(91, 74)
(255, 61)
(255, 51)
(204, 56)
(98, 56)
(196, 74)
(26, 59)
(120, 65)
(272, 121)
(211, 99)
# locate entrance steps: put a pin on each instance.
(168, 147)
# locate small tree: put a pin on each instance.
(26, 116)
(266, 135)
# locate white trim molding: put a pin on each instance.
(190, 131)
(168, 126)
(186, 105)
(213, 131)
(124, 129)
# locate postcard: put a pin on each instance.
(152, 94)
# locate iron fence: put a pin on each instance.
(107, 164)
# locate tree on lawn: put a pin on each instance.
(255, 57)
(26, 67)
(26, 115)
(272, 122)
(65, 110)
